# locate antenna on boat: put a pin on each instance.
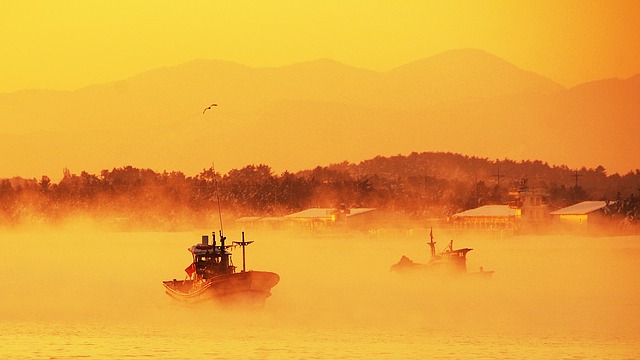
(215, 182)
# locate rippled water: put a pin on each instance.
(100, 341)
(80, 294)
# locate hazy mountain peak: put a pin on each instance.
(465, 74)
(456, 58)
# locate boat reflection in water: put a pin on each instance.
(449, 262)
(213, 277)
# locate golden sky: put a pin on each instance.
(67, 44)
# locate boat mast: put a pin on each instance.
(224, 261)
(243, 244)
(432, 244)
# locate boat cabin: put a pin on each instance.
(454, 259)
(457, 258)
(211, 260)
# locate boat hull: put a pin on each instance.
(244, 288)
(437, 268)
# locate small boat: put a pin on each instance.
(213, 277)
(450, 262)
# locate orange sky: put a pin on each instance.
(68, 44)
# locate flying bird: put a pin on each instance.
(210, 106)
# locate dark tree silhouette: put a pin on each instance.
(417, 186)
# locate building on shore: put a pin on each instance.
(317, 219)
(532, 208)
(486, 217)
(526, 212)
(585, 216)
(325, 218)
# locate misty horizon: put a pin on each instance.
(465, 101)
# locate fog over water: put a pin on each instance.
(336, 292)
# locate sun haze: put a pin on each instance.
(74, 43)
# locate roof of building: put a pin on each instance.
(248, 218)
(272, 219)
(488, 211)
(582, 208)
(312, 213)
(325, 213)
(359, 211)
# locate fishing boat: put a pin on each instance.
(450, 261)
(213, 277)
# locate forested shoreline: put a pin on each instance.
(416, 186)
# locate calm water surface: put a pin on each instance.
(80, 294)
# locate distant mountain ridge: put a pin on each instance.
(313, 113)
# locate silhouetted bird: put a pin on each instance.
(210, 106)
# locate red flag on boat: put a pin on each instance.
(191, 269)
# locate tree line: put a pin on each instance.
(416, 186)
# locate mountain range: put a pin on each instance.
(314, 113)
